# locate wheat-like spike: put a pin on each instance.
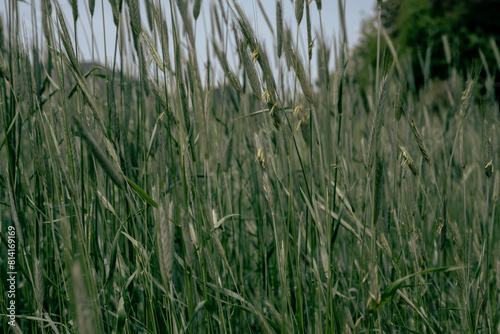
(376, 124)
(63, 31)
(398, 104)
(461, 145)
(152, 49)
(149, 15)
(100, 155)
(279, 28)
(38, 284)
(309, 34)
(161, 25)
(186, 19)
(143, 68)
(28, 81)
(216, 22)
(210, 265)
(249, 70)
(301, 75)
(116, 11)
(227, 69)
(166, 240)
(159, 92)
(196, 9)
(85, 321)
(408, 161)
(229, 154)
(46, 18)
(420, 143)
(74, 8)
(246, 28)
(135, 16)
(466, 99)
(288, 45)
(92, 7)
(318, 4)
(444, 228)
(299, 10)
(379, 169)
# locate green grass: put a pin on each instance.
(225, 197)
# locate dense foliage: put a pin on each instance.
(436, 36)
(159, 193)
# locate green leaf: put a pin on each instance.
(394, 287)
(222, 220)
(141, 192)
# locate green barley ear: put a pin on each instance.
(116, 11)
(196, 9)
(101, 157)
(92, 7)
(420, 143)
(309, 34)
(186, 19)
(468, 93)
(301, 75)
(379, 170)
(135, 17)
(400, 96)
(318, 4)
(376, 125)
(74, 9)
(279, 28)
(227, 69)
(407, 161)
(46, 18)
(299, 10)
(250, 71)
(461, 145)
(65, 37)
(165, 239)
(161, 26)
(444, 224)
(159, 92)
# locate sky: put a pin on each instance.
(355, 11)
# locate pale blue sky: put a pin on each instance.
(355, 11)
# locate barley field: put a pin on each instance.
(245, 190)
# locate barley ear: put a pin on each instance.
(196, 9)
(279, 28)
(299, 10)
(420, 143)
(135, 17)
(92, 7)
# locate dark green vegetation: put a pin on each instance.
(169, 202)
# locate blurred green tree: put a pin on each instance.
(433, 36)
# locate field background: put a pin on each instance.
(157, 193)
